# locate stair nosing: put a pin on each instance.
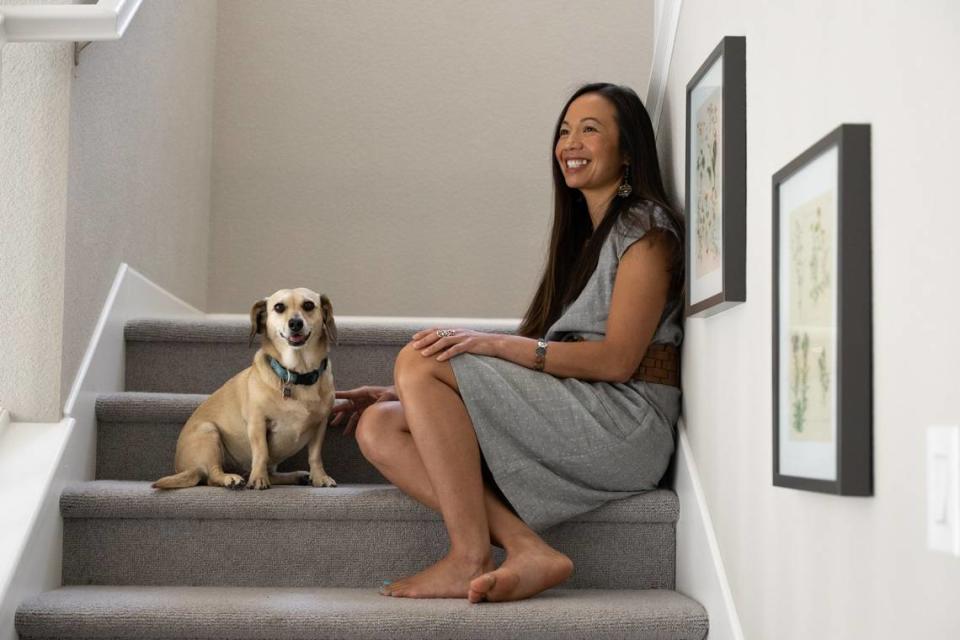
(134, 499)
(381, 332)
(219, 611)
(151, 406)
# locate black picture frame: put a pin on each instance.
(716, 260)
(808, 456)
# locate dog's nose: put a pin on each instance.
(295, 324)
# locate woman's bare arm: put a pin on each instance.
(638, 299)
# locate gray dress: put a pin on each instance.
(558, 447)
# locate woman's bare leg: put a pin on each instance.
(531, 564)
(386, 441)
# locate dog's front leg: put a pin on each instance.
(260, 455)
(318, 477)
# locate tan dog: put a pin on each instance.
(257, 418)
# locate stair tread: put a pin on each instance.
(314, 612)
(136, 499)
(350, 329)
(147, 406)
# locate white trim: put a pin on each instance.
(106, 20)
(34, 458)
(51, 455)
(667, 16)
(700, 571)
(4, 420)
(101, 370)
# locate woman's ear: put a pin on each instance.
(328, 322)
(257, 318)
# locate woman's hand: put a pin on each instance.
(462, 341)
(354, 403)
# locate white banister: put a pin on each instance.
(106, 20)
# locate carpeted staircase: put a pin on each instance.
(304, 562)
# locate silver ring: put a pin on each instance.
(441, 333)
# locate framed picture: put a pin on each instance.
(822, 338)
(716, 181)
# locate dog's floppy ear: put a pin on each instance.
(328, 322)
(257, 318)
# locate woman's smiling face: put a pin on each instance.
(588, 144)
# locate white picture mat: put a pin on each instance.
(805, 459)
(712, 283)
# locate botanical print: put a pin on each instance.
(812, 289)
(709, 173)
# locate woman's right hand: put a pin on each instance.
(355, 402)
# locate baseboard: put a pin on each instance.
(65, 452)
(131, 295)
(31, 454)
(700, 571)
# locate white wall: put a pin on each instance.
(808, 565)
(141, 141)
(396, 156)
(34, 134)
(105, 163)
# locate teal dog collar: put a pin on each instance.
(292, 377)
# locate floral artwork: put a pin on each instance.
(822, 317)
(707, 236)
(812, 342)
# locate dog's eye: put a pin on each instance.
(279, 307)
(308, 305)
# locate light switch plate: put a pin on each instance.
(943, 488)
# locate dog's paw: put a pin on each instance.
(258, 482)
(322, 480)
(233, 481)
(303, 477)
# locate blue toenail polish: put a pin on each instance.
(387, 581)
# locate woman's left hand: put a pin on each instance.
(462, 341)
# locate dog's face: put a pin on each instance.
(294, 318)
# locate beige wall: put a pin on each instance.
(396, 156)
(807, 565)
(34, 133)
(140, 158)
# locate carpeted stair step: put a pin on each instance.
(137, 438)
(198, 356)
(248, 613)
(125, 533)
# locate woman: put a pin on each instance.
(564, 428)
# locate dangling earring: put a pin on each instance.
(625, 189)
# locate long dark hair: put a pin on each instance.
(574, 245)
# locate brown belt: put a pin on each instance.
(660, 364)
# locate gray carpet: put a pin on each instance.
(305, 562)
(238, 612)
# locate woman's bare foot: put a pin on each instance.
(448, 578)
(526, 572)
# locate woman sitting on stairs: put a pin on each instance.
(508, 435)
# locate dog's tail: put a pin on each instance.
(189, 478)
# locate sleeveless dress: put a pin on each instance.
(559, 447)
